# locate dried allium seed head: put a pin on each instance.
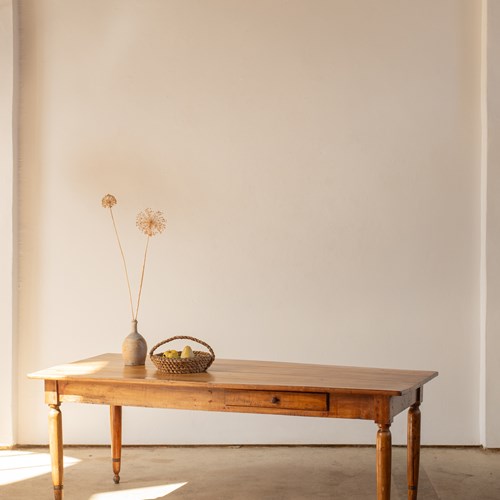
(108, 201)
(151, 223)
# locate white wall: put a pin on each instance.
(7, 266)
(319, 165)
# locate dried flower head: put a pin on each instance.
(151, 223)
(108, 201)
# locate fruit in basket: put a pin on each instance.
(171, 354)
(187, 352)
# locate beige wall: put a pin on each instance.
(491, 345)
(319, 165)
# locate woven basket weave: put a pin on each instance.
(201, 361)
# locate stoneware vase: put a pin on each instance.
(134, 347)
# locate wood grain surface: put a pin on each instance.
(246, 374)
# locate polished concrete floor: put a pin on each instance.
(247, 473)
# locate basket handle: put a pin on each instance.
(187, 338)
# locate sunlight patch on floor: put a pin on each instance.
(16, 465)
(148, 492)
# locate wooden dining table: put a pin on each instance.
(242, 386)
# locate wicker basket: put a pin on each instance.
(201, 361)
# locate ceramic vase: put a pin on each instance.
(134, 348)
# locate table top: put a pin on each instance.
(246, 374)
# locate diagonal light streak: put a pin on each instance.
(18, 465)
(146, 493)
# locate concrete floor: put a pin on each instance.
(247, 473)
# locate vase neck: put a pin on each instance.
(134, 326)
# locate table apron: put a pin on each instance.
(329, 404)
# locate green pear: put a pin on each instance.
(187, 352)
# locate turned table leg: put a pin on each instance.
(56, 450)
(384, 456)
(116, 440)
(413, 462)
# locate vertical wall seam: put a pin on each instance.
(15, 212)
(483, 224)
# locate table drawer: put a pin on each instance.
(315, 401)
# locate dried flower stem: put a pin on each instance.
(142, 276)
(150, 223)
(124, 265)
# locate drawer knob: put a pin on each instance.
(275, 400)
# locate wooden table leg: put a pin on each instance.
(116, 440)
(413, 462)
(384, 458)
(56, 450)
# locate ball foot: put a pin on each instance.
(116, 478)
